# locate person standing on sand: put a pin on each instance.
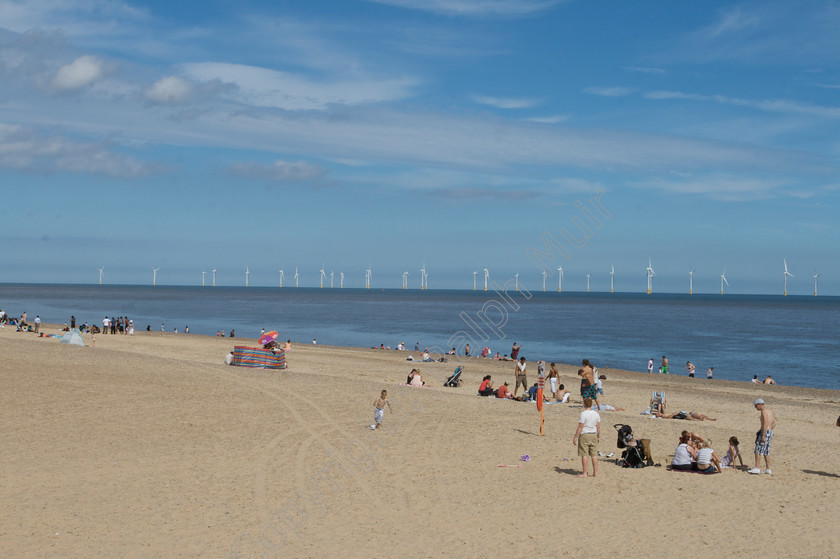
(664, 367)
(588, 384)
(514, 351)
(587, 436)
(553, 375)
(650, 365)
(709, 373)
(763, 438)
(690, 368)
(520, 376)
(379, 409)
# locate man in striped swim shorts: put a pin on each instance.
(763, 437)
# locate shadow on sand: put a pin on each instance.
(818, 473)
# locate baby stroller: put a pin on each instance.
(454, 380)
(633, 455)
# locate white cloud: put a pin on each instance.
(170, 90)
(475, 7)
(279, 171)
(272, 88)
(610, 91)
(80, 73)
(505, 103)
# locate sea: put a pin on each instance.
(794, 339)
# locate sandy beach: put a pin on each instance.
(150, 446)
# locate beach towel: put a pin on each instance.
(258, 358)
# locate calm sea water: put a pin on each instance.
(794, 339)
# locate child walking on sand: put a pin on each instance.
(379, 409)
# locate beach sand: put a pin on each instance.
(151, 447)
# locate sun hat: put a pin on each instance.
(758, 401)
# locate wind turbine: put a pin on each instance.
(723, 280)
(486, 278)
(423, 277)
(786, 274)
(691, 282)
(282, 275)
(516, 282)
(214, 277)
(650, 274)
(101, 271)
(332, 275)
(341, 280)
(247, 273)
(203, 273)
(154, 275)
(587, 282)
(368, 277)
(816, 275)
(544, 275)
(296, 277)
(475, 275)
(560, 279)
(323, 277)
(612, 278)
(405, 280)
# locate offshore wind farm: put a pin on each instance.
(401, 280)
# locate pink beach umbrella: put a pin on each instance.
(268, 337)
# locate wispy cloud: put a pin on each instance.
(475, 7)
(23, 149)
(271, 88)
(278, 172)
(610, 91)
(768, 31)
(505, 102)
(724, 188)
(480, 193)
(553, 119)
(644, 70)
(767, 105)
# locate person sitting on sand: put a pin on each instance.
(497, 357)
(769, 380)
(533, 392)
(728, 460)
(416, 379)
(562, 395)
(690, 415)
(685, 456)
(504, 393)
(426, 357)
(707, 459)
(288, 345)
(486, 387)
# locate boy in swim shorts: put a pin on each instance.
(379, 409)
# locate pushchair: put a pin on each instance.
(454, 381)
(633, 455)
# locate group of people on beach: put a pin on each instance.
(664, 368)
(695, 452)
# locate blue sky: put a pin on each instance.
(388, 133)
